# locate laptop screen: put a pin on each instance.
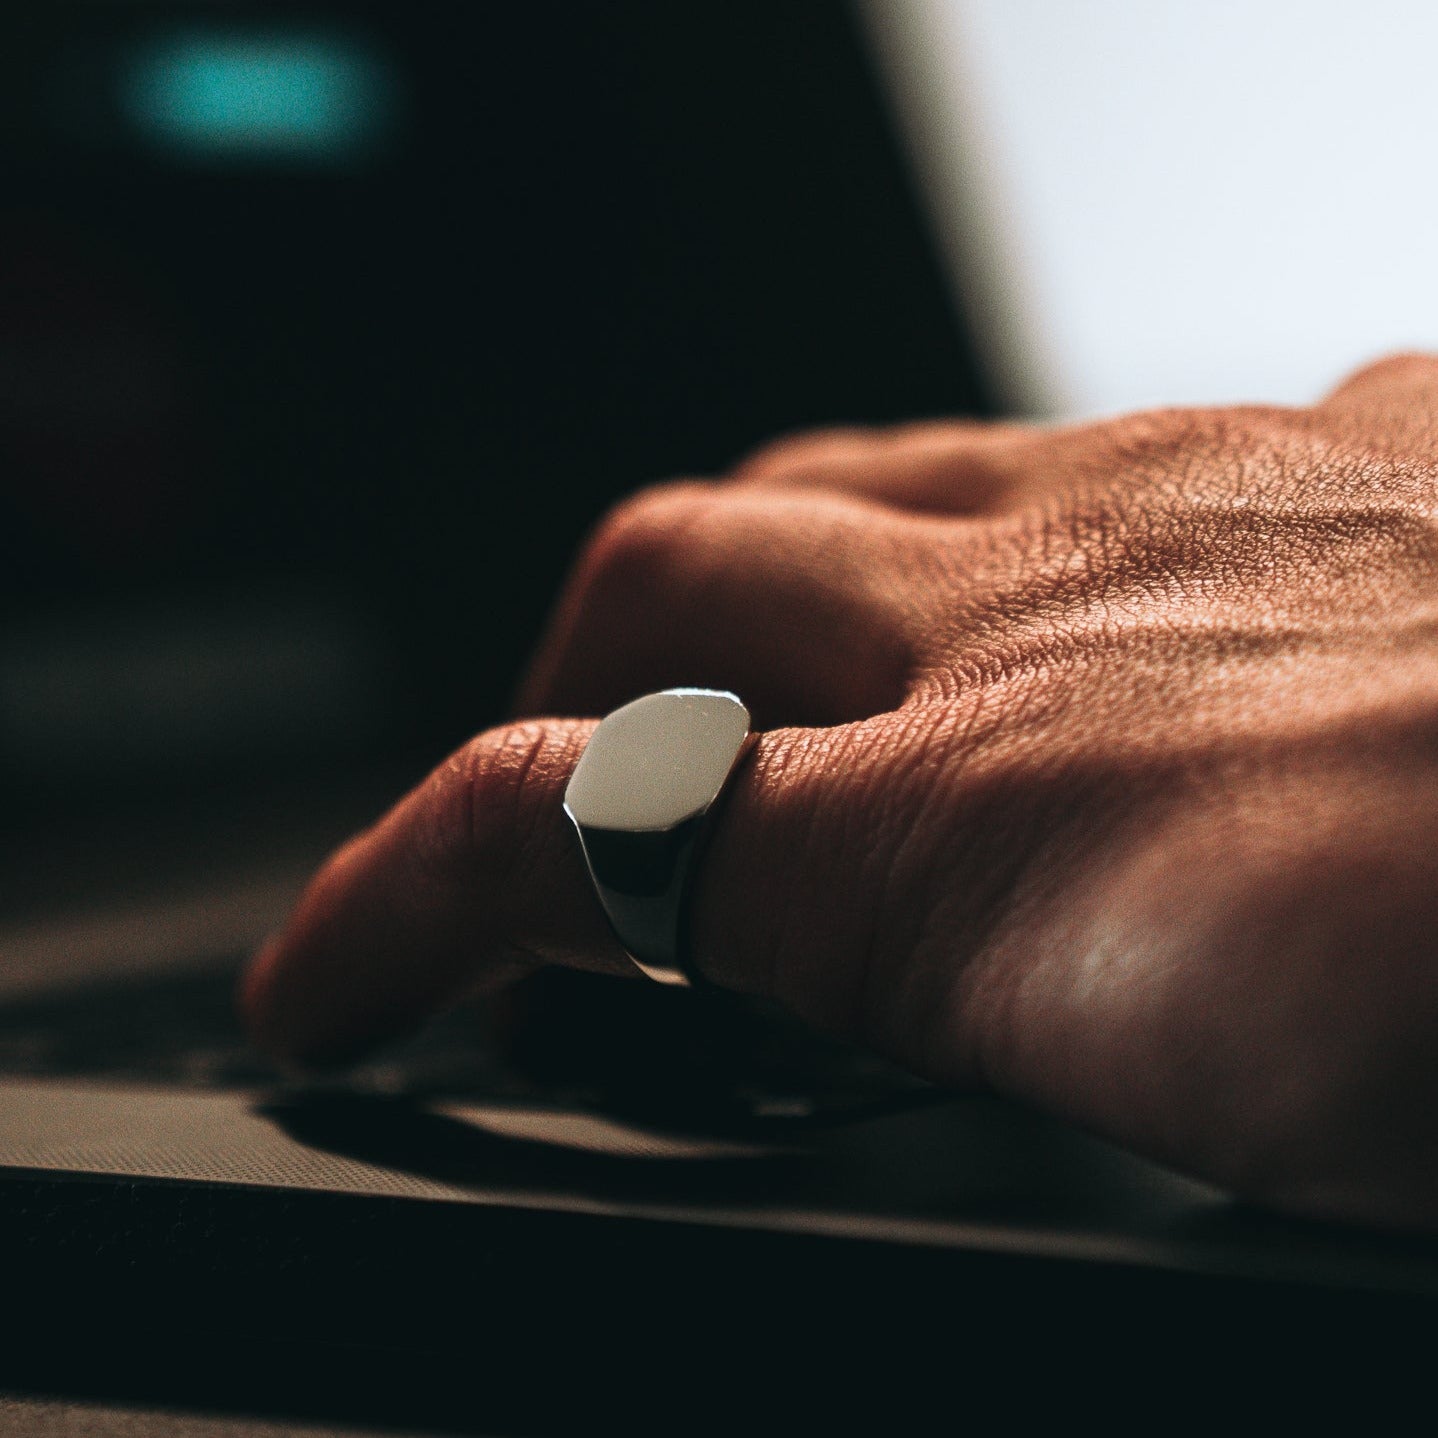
(1156, 203)
(326, 331)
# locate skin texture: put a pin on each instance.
(1099, 768)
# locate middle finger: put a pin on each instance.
(792, 601)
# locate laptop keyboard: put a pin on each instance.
(573, 1039)
(182, 1029)
(171, 1029)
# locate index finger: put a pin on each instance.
(477, 875)
(470, 879)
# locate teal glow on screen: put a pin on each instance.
(310, 98)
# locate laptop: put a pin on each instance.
(326, 334)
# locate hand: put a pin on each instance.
(1100, 768)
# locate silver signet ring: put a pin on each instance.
(638, 797)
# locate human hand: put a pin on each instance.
(1099, 768)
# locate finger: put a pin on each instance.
(945, 467)
(478, 874)
(471, 879)
(792, 602)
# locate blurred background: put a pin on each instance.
(327, 329)
(1150, 202)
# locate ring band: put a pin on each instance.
(638, 797)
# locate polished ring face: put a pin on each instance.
(638, 797)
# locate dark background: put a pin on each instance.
(294, 450)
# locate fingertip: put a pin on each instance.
(261, 1016)
(251, 990)
(275, 1026)
(469, 877)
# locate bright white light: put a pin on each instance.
(1159, 201)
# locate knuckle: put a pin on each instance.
(640, 539)
(476, 805)
(1153, 477)
(800, 453)
(1187, 441)
(1403, 369)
